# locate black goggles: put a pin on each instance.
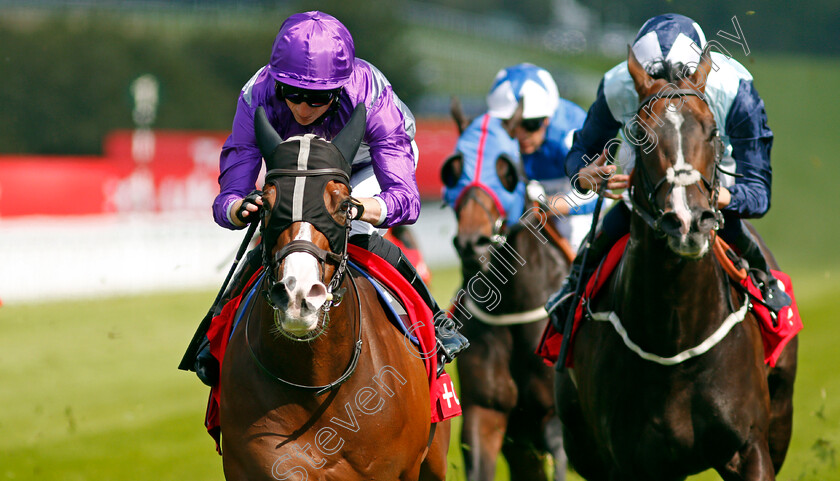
(532, 125)
(313, 98)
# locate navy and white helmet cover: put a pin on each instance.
(734, 102)
(669, 37)
(484, 141)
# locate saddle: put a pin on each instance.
(776, 331)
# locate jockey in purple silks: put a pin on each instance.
(311, 86)
(676, 40)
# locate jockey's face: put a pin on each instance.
(305, 114)
(530, 139)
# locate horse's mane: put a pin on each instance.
(665, 70)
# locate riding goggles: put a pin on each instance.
(313, 98)
(532, 125)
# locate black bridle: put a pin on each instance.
(336, 293)
(498, 233)
(322, 256)
(651, 213)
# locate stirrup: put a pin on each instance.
(206, 366)
(775, 298)
(450, 343)
(558, 308)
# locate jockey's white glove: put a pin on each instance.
(535, 191)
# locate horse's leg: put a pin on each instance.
(232, 469)
(780, 384)
(533, 428)
(579, 444)
(488, 394)
(482, 434)
(526, 461)
(554, 440)
(751, 463)
(434, 466)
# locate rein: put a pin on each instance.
(351, 367)
(651, 213)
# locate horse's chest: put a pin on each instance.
(663, 419)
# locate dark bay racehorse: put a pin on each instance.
(506, 390)
(316, 383)
(681, 411)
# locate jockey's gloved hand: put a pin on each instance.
(536, 191)
(245, 215)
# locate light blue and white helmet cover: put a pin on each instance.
(527, 81)
(480, 145)
(669, 37)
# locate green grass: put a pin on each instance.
(89, 390)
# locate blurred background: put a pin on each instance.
(112, 114)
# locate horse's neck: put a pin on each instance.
(524, 271)
(318, 361)
(666, 300)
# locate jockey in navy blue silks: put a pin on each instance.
(545, 137)
(673, 39)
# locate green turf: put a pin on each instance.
(89, 390)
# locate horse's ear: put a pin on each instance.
(451, 170)
(507, 173)
(701, 73)
(641, 80)
(457, 112)
(513, 122)
(348, 140)
(267, 138)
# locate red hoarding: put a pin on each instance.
(157, 171)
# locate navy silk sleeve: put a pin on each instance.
(599, 128)
(751, 139)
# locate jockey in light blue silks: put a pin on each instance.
(665, 41)
(480, 145)
(545, 137)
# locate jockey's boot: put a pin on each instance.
(560, 303)
(775, 298)
(206, 366)
(450, 342)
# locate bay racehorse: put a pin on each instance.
(316, 383)
(690, 404)
(508, 269)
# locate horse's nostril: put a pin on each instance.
(483, 242)
(316, 297)
(278, 295)
(671, 224)
(706, 221)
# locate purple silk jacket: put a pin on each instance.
(386, 144)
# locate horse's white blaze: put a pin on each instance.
(680, 175)
(301, 274)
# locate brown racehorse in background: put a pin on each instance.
(316, 383)
(506, 389)
(629, 418)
